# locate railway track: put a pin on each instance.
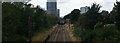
(60, 34)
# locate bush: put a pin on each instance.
(18, 21)
(106, 32)
(100, 33)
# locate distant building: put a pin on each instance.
(52, 7)
(84, 9)
(58, 12)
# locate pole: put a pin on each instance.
(69, 23)
(29, 27)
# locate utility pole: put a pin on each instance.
(29, 27)
(29, 22)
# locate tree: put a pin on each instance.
(112, 15)
(117, 16)
(106, 17)
(73, 16)
(18, 17)
(87, 21)
(92, 16)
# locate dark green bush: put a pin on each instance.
(17, 21)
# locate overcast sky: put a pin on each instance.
(66, 6)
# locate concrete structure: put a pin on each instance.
(84, 9)
(52, 7)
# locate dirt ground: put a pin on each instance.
(42, 36)
(70, 29)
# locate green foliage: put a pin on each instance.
(117, 16)
(93, 15)
(73, 16)
(77, 32)
(18, 18)
(106, 32)
(98, 26)
(101, 33)
(106, 19)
